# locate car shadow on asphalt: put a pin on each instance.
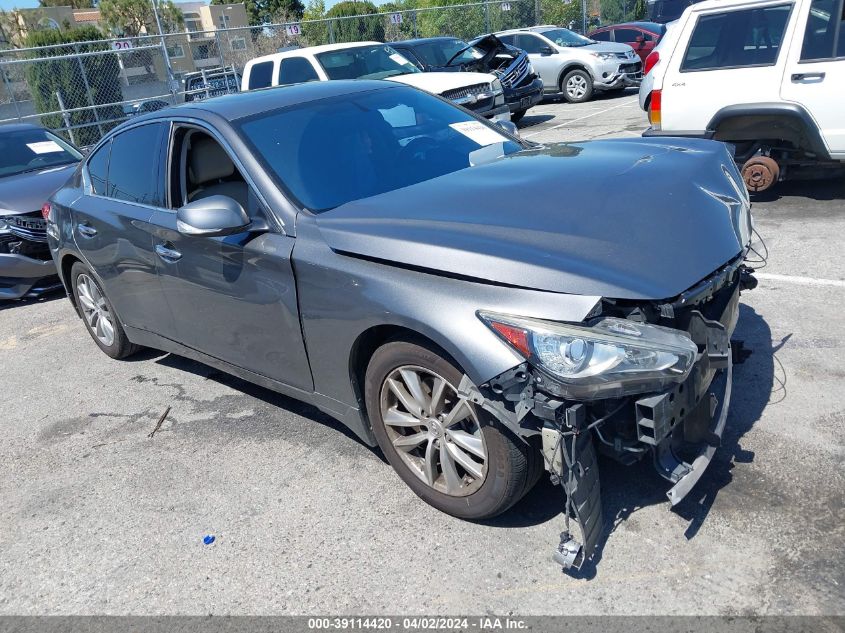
(817, 189)
(757, 383)
(47, 297)
(273, 398)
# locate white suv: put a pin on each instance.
(480, 92)
(767, 76)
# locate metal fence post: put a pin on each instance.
(414, 21)
(486, 17)
(10, 91)
(331, 31)
(88, 92)
(65, 117)
(537, 12)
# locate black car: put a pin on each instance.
(34, 162)
(488, 54)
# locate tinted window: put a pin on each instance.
(627, 36)
(98, 168)
(296, 70)
(531, 44)
(32, 149)
(825, 25)
(510, 40)
(735, 39)
(601, 36)
(128, 180)
(332, 151)
(261, 75)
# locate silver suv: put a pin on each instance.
(573, 65)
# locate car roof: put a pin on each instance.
(17, 127)
(427, 40)
(312, 50)
(654, 27)
(531, 29)
(245, 104)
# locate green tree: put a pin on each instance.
(74, 4)
(131, 17)
(355, 29)
(640, 10)
(65, 76)
(270, 11)
(563, 14)
(314, 30)
(463, 22)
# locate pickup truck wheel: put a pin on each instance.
(577, 86)
(451, 454)
(760, 173)
(98, 314)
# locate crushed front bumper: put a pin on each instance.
(524, 97)
(22, 276)
(626, 75)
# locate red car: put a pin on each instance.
(641, 36)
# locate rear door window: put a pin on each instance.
(127, 180)
(98, 169)
(824, 36)
(737, 39)
(296, 70)
(627, 36)
(261, 75)
(601, 36)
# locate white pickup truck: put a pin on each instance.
(767, 76)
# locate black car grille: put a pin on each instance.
(461, 93)
(30, 226)
(516, 73)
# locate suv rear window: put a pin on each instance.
(737, 39)
(824, 37)
(261, 75)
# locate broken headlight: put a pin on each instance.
(611, 358)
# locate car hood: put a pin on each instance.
(604, 47)
(627, 219)
(439, 82)
(25, 193)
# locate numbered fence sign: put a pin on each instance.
(506, 6)
(293, 30)
(121, 45)
(396, 18)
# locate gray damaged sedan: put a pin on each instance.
(434, 282)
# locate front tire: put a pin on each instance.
(577, 86)
(450, 453)
(98, 314)
(516, 117)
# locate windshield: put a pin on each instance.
(565, 37)
(32, 150)
(354, 146)
(438, 53)
(365, 62)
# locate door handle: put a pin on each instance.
(86, 230)
(168, 254)
(804, 76)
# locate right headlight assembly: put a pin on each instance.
(611, 358)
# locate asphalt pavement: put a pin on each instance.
(97, 517)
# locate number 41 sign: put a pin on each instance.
(506, 6)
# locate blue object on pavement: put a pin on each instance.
(208, 539)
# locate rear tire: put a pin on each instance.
(577, 86)
(99, 316)
(416, 443)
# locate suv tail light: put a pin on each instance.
(650, 61)
(654, 106)
(46, 210)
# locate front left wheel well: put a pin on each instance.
(66, 265)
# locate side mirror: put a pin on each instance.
(509, 127)
(547, 50)
(212, 217)
(639, 40)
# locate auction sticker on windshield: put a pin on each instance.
(45, 147)
(399, 59)
(478, 132)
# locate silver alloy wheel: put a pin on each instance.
(576, 86)
(95, 309)
(435, 433)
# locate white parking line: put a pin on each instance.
(586, 116)
(803, 281)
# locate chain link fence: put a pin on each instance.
(82, 90)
